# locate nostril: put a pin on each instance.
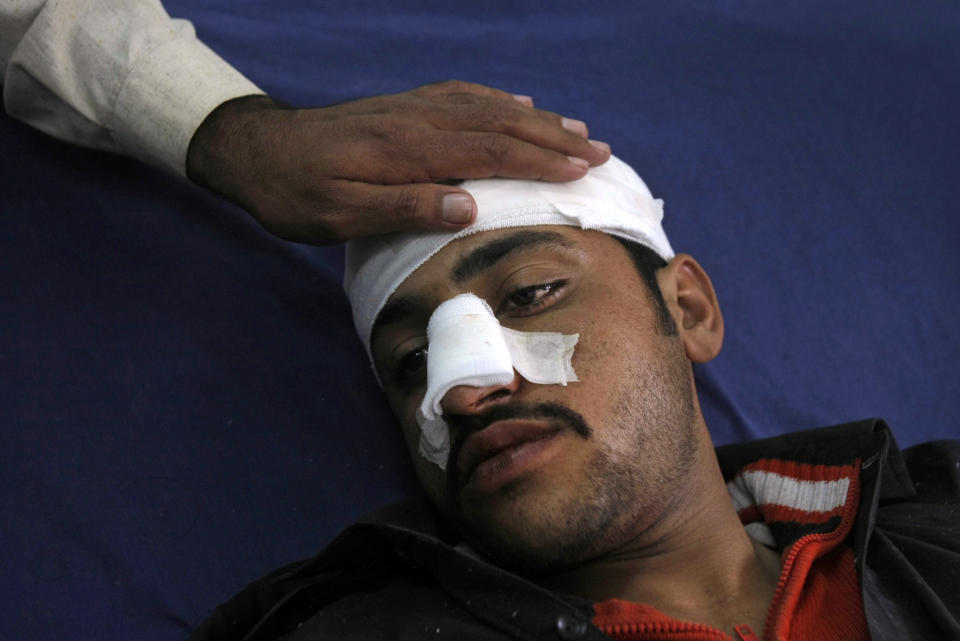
(495, 395)
(467, 399)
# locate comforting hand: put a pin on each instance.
(370, 166)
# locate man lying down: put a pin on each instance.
(539, 365)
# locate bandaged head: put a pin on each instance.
(611, 198)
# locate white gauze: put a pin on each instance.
(468, 346)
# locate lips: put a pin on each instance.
(502, 449)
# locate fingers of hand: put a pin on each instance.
(358, 209)
(470, 154)
(462, 87)
(458, 106)
(542, 128)
(421, 155)
(459, 86)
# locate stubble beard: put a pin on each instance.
(628, 483)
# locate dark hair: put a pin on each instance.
(648, 263)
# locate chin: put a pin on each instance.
(535, 535)
(529, 554)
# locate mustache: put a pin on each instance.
(464, 425)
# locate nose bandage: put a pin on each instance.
(468, 346)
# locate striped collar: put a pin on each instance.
(781, 501)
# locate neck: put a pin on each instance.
(696, 564)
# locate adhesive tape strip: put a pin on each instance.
(468, 346)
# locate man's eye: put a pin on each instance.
(529, 299)
(411, 367)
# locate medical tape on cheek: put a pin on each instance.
(468, 346)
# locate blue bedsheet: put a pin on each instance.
(184, 405)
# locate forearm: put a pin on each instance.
(116, 75)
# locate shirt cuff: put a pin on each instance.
(167, 95)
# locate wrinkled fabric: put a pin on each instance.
(116, 75)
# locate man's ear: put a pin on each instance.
(692, 302)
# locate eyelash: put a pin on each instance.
(551, 290)
(410, 368)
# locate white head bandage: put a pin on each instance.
(610, 198)
(468, 346)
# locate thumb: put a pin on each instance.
(367, 209)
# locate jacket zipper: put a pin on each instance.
(702, 631)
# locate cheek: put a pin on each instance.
(618, 349)
(608, 344)
(601, 373)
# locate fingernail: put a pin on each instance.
(579, 162)
(576, 126)
(527, 100)
(456, 208)
(602, 146)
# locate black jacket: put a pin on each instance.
(396, 574)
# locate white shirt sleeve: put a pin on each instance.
(118, 75)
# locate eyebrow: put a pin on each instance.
(476, 262)
(486, 256)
